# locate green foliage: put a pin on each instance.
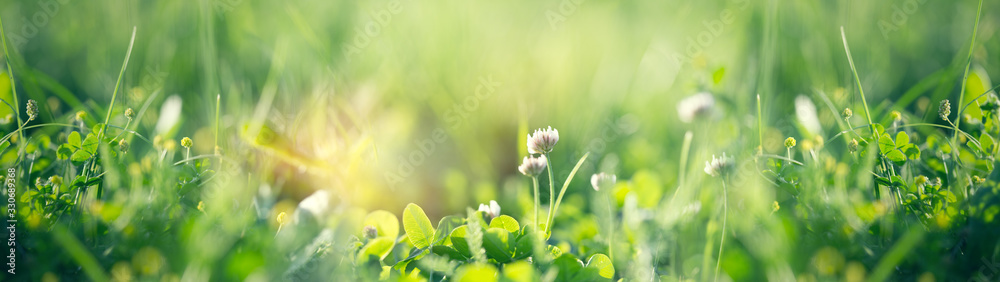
(417, 226)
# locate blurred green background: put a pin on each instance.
(401, 67)
(430, 101)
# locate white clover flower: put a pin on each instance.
(532, 166)
(542, 141)
(699, 106)
(492, 210)
(719, 166)
(314, 206)
(602, 180)
(805, 110)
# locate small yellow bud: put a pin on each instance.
(790, 142)
(170, 144)
(186, 142)
(56, 180)
(853, 145)
(282, 217)
(201, 206)
(896, 116)
(123, 146)
(80, 115)
(848, 113)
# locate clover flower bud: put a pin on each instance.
(698, 106)
(186, 142)
(532, 166)
(896, 116)
(80, 115)
(853, 145)
(719, 166)
(56, 180)
(492, 210)
(370, 232)
(848, 113)
(543, 140)
(978, 180)
(602, 180)
(790, 142)
(123, 146)
(32, 109)
(129, 113)
(945, 109)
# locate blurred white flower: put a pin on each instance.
(602, 180)
(492, 210)
(315, 206)
(699, 106)
(170, 114)
(719, 166)
(532, 166)
(805, 110)
(542, 141)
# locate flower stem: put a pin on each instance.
(611, 227)
(552, 195)
(722, 239)
(534, 180)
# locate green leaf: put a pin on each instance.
(603, 263)
(459, 242)
(64, 151)
(879, 129)
(90, 144)
(718, 74)
(520, 271)
(948, 196)
(911, 151)
(902, 139)
(378, 247)
(505, 222)
(80, 156)
(73, 139)
(987, 142)
(449, 252)
(385, 222)
(568, 267)
(498, 245)
(896, 156)
(417, 226)
(885, 144)
(445, 227)
(897, 181)
(525, 244)
(477, 272)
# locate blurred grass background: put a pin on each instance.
(377, 79)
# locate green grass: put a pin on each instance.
(409, 117)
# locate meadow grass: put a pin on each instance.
(355, 146)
